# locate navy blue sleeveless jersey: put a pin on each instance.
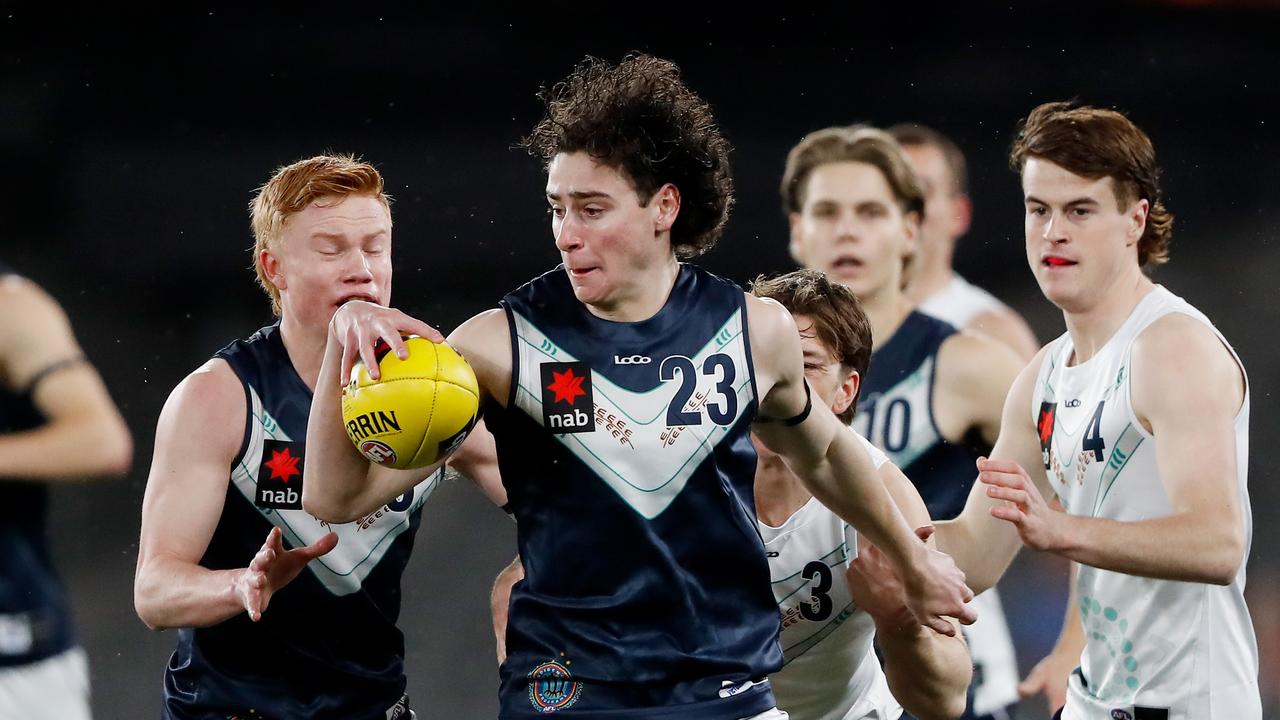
(895, 412)
(626, 453)
(35, 618)
(328, 645)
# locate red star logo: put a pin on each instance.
(283, 465)
(566, 386)
(1046, 426)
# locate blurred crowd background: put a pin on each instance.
(131, 144)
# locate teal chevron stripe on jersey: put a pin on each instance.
(651, 469)
(361, 546)
(1126, 445)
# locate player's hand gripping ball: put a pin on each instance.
(420, 410)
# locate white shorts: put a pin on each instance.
(56, 688)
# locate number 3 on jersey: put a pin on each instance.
(721, 406)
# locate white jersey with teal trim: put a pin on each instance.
(1154, 648)
(959, 302)
(831, 670)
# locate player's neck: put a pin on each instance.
(1091, 328)
(305, 347)
(885, 310)
(931, 271)
(643, 296)
(779, 493)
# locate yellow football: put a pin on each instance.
(420, 409)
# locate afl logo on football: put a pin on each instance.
(552, 688)
(631, 360)
(378, 451)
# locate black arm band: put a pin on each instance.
(791, 422)
(52, 368)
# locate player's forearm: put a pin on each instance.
(982, 548)
(67, 449)
(860, 498)
(171, 593)
(334, 479)
(1191, 547)
(928, 673)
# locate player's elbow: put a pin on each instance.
(940, 704)
(1228, 558)
(324, 506)
(945, 707)
(146, 601)
(115, 451)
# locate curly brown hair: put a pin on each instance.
(1095, 143)
(639, 117)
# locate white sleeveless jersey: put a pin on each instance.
(959, 302)
(1154, 648)
(831, 671)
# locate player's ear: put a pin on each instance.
(270, 263)
(796, 246)
(1137, 220)
(961, 214)
(847, 393)
(911, 229)
(666, 204)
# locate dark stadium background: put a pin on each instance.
(131, 143)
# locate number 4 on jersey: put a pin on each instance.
(1093, 434)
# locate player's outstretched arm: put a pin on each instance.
(339, 484)
(1192, 421)
(837, 470)
(197, 437)
(982, 545)
(929, 673)
(84, 435)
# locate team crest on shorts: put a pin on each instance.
(552, 687)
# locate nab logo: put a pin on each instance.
(631, 360)
(568, 405)
(1044, 428)
(1073, 403)
(280, 475)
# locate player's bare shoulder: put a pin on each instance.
(974, 374)
(970, 355)
(207, 408)
(775, 344)
(31, 316)
(1171, 351)
(485, 342)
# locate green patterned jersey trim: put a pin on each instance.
(842, 549)
(1126, 445)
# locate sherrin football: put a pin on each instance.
(420, 409)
